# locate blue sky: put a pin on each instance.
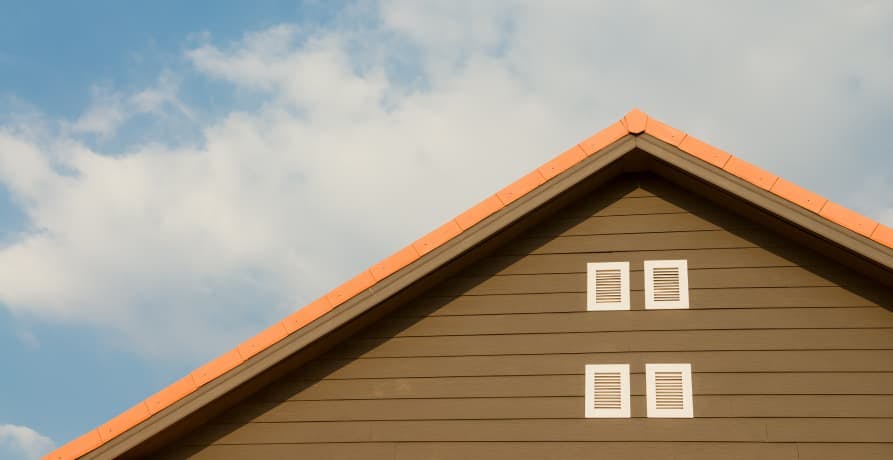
(176, 176)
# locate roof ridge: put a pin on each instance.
(633, 123)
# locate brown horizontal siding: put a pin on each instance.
(640, 223)
(657, 320)
(703, 383)
(706, 361)
(757, 277)
(781, 297)
(657, 241)
(606, 342)
(792, 355)
(575, 430)
(697, 259)
(554, 407)
(550, 450)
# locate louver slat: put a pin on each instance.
(668, 390)
(608, 288)
(666, 284)
(607, 390)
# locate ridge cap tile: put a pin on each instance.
(635, 121)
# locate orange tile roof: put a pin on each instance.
(635, 122)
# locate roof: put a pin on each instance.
(857, 230)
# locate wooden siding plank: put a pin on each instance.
(617, 430)
(567, 407)
(628, 205)
(639, 320)
(340, 451)
(784, 297)
(640, 223)
(705, 361)
(576, 282)
(590, 450)
(829, 430)
(703, 383)
(718, 239)
(697, 259)
(506, 451)
(845, 451)
(600, 342)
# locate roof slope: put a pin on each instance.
(635, 123)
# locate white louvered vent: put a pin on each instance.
(607, 391)
(666, 284)
(607, 286)
(669, 390)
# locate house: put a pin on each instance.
(642, 295)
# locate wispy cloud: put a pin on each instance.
(22, 443)
(105, 114)
(362, 133)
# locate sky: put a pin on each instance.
(176, 176)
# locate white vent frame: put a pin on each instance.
(650, 302)
(592, 270)
(687, 410)
(623, 371)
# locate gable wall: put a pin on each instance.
(792, 357)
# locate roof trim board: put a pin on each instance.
(636, 130)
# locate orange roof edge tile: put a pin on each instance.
(124, 421)
(437, 237)
(848, 218)
(394, 262)
(884, 235)
(799, 195)
(750, 173)
(664, 132)
(262, 340)
(216, 367)
(521, 187)
(635, 122)
(78, 447)
(603, 138)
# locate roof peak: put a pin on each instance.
(635, 123)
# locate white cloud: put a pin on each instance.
(160, 98)
(348, 155)
(105, 114)
(21, 442)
